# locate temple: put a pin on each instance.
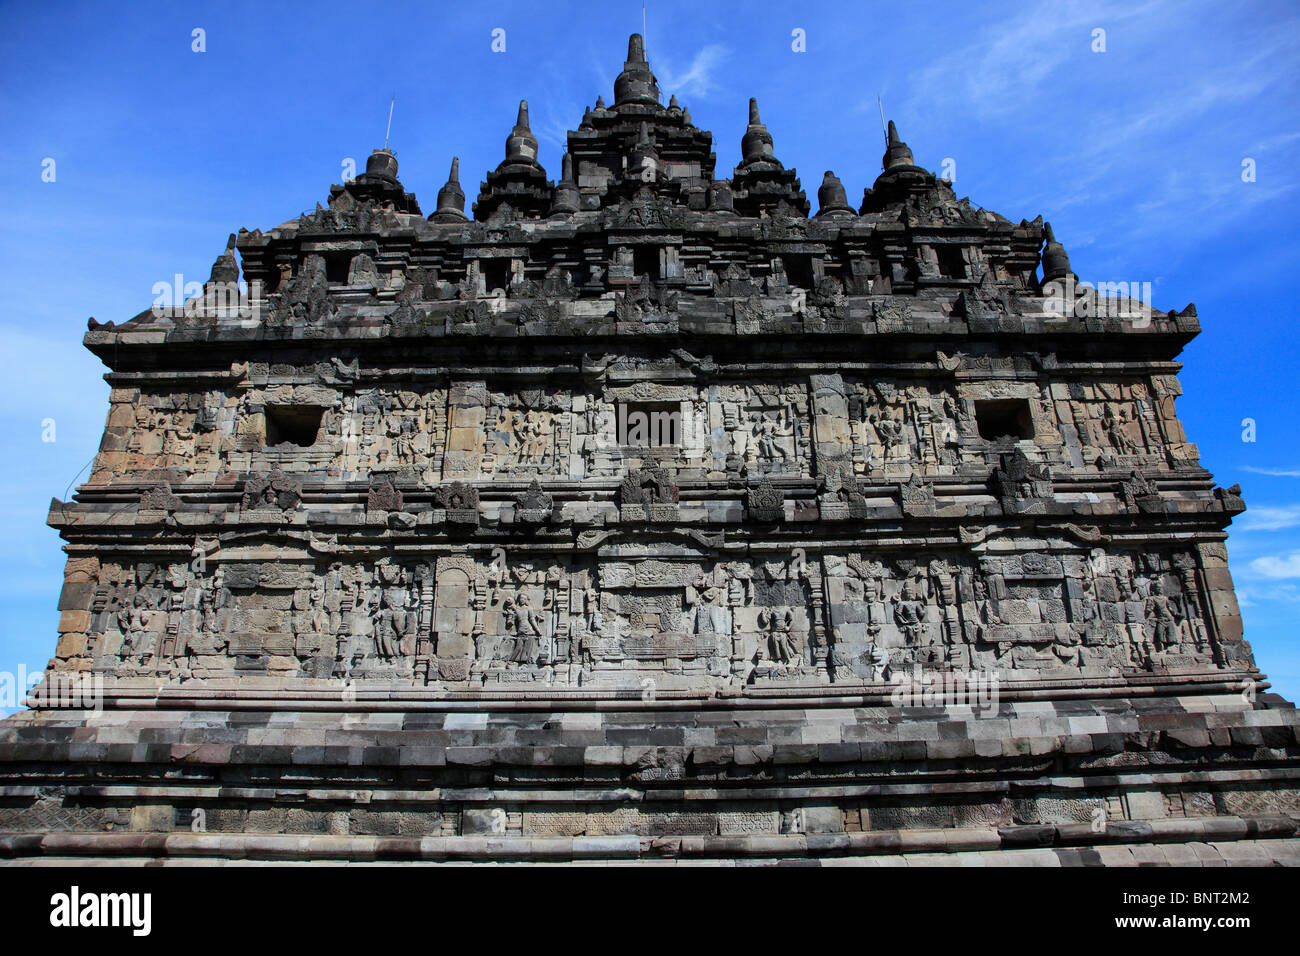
(649, 514)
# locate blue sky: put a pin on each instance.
(1134, 154)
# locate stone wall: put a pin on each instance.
(649, 516)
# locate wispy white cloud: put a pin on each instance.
(1253, 595)
(1229, 84)
(1006, 65)
(1113, 154)
(1275, 472)
(1276, 142)
(1277, 566)
(561, 112)
(1270, 518)
(696, 79)
(554, 125)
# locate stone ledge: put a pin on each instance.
(1241, 853)
(1258, 833)
(257, 695)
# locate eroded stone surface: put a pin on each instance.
(653, 435)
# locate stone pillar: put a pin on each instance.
(424, 631)
(1224, 618)
(454, 616)
(77, 609)
(832, 442)
(818, 636)
(466, 429)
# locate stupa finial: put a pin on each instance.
(451, 198)
(568, 199)
(756, 144)
(1056, 262)
(636, 84)
(521, 144)
(831, 197)
(897, 152)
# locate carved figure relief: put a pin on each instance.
(898, 428)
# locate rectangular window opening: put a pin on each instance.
(496, 274)
(293, 424)
(336, 266)
(798, 270)
(645, 261)
(952, 264)
(649, 424)
(1004, 418)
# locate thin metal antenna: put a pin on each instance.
(390, 120)
(883, 128)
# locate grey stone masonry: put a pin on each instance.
(648, 513)
(642, 780)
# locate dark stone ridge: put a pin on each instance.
(831, 197)
(647, 490)
(451, 198)
(1056, 264)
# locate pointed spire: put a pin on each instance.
(586, 119)
(600, 104)
(756, 144)
(643, 161)
(567, 198)
(1056, 263)
(896, 152)
(225, 269)
(673, 106)
(521, 144)
(636, 84)
(831, 197)
(451, 198)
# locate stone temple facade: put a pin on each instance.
(639, 515)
